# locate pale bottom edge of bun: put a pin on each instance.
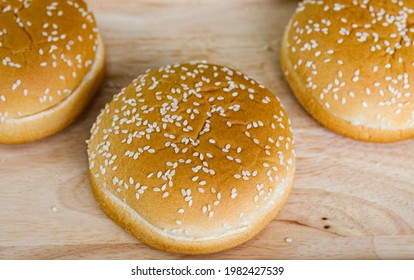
(153, 236)
(48, 122)
(336, 124)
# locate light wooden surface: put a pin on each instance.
(350, 199)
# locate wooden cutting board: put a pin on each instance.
(350, 199)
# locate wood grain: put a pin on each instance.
(351, 200)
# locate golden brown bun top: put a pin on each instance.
(356, 58)
(197, 150)
(46, 48)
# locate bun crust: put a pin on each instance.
(193, 158)
(350, 66)
(52, 64)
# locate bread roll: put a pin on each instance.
(350, 65)
(193, 158)
(52, 62)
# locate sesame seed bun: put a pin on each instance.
(350, 65)
(51, 64)
(193, 158)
